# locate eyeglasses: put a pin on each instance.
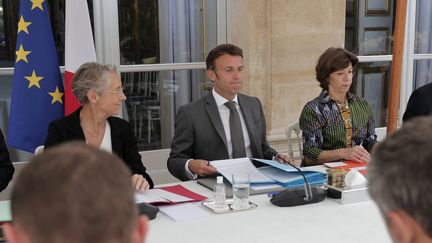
(119, 92)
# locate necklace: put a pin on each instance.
(343, 105)
(346, 117)
(97, 135)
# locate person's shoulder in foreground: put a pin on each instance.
(74, 193)
(420, 103)
(400, 181)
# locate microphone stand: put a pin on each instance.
(307, 188)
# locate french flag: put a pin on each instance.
(79, 46)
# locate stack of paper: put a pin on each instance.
(227, 167)
(276, 172)
(288, 176)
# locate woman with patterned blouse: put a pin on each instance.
(337, 125)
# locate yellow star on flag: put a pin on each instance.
(22, 25)
(33, 80)
(57, 96)
(37, 4)
(22, 54)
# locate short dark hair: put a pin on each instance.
(74, 193)
(221, 50)
(399, 172)
(333, 59)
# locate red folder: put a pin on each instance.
(179, 190)
(183, 191)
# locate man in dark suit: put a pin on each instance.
(203, 129)
(420, 103)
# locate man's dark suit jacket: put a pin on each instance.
(6, 167)
(420, 103)
(123, 141)
(199, 133)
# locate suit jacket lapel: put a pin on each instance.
(250, 123)
(213, 113)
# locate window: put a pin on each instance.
(369, 34)
(161, 46)
(417, 54)
(159, 40)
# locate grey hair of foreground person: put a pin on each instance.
(399, 173)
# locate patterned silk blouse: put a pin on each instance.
(323, 127)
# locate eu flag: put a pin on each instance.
(37, 91)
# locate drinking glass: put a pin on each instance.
(240, 184)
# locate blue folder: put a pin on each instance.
(287, 176)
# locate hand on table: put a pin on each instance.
(201, 167)
(356, 153)
(139, 183)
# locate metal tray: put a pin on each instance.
(228, 208)
(348, 194)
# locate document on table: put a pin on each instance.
(184, 211)
(229, 166)
(5, 211)
(168, 195)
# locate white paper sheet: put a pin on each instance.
(148, 197)
(229, 166)
(184, 211)
(159, 196)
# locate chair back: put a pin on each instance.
(381, 133)
(39, 149)
(295, 141)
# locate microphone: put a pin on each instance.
(298, 196)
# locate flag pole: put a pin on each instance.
(396, 70)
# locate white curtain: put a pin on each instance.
(180, 40)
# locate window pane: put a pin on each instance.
(423, 27)
(153, 99)
(422, 73)
(9, 10)
(8, 29)
(372, 82)
(369, 26)
(153, 31)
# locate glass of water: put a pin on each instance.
(240, 184)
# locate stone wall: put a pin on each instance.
(282, 40)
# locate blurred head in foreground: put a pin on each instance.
(74, 193)
(400, 179)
